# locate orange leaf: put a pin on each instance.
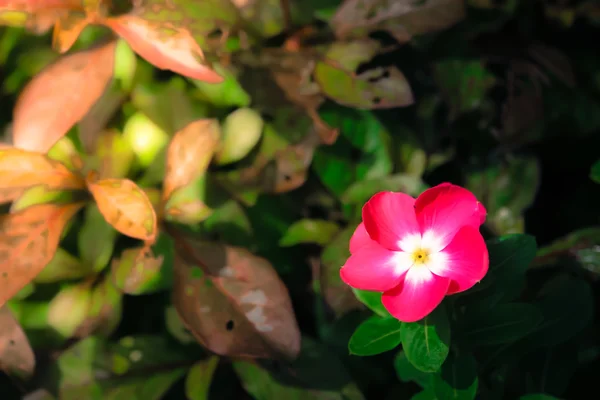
(28, 241)
(164, 45)
(16, 355)
(236, 305)
(20, 169)
(189, 153)
(125, 206)
(60, 95)
(67, 29)
(36, 15)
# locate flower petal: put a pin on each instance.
(417, 296)
(390, 219)
(375, 268)
(359, 238)
(446, 208)
(465, 260)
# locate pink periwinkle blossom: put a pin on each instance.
(417, 251)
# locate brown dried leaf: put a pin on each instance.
(72, 85)
(125, 206)
(163, 44)
(20, 169)
(238, 305)
(189, 154)
(401, 18)
(28, 241)
(16, 355)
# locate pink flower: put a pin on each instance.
(418, 251)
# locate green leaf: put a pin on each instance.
(309, 231)
(134, 368)
(372, 300)
(426, 343)
(560, 298)
(96, 239)
(505, 323)
(199, 377)
(463, 83)
(228, 93)
(510, 257)
(407, 372)
(361, 191)
(538, 396)
(457, 379)
(381, 87)
(337, 166)
(426, 394)
(375, 335)
(595, 172)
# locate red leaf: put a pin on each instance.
(60, 96)
(236, 305)
(28, 241)
(165, 46)
(16, 355)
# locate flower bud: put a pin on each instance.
(242, 130)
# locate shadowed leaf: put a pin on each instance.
(125, 206)
(197, 382)
(136, 272)
(28, 241)
(20, 169)
(189, 154)
(236, 305)
(72, 85)
(16, 355)
(401, 18)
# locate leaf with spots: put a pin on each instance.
(137, 271)
(125, 206)
(16, 355)
(28, 241)
(401, 18)
(21, 169)
(35, 15)
(72, 85)
(233, 302)
(189, 154)
(381, 87)
(166, 34)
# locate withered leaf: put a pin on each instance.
(28, 241)
(189, 154)
(16, 355)
(72, 85)
(125, 206)
(236, 305)
(21, 169)
(164, 44)
(401, 18)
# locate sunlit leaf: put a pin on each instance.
(28, 241)
(125, 206)
(20, 169)
(36, 15)
(67, 29)
(16, 355)
(69, 308)
(233, 302)
(72, 84)
(401, 18)
(166, 45)
(189, 154)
